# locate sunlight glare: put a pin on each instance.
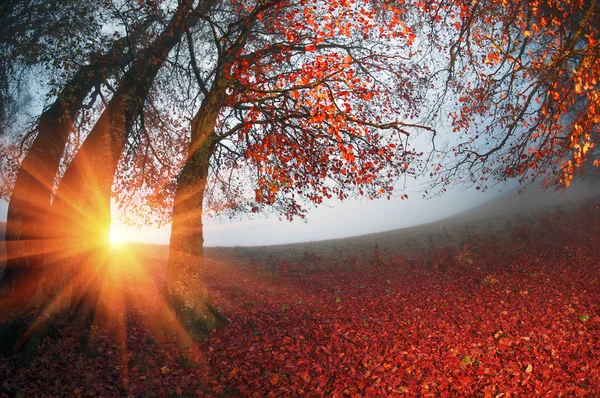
(116, 236)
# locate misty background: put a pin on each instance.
(354, 217)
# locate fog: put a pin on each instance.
(344, 219)
(336, 219)
(330, 220)
(333, 219)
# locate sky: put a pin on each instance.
(332, 220)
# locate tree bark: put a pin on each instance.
(81, 208)
(187, 293)
(29, 204)
(186, 288)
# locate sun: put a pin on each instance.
(116, 237)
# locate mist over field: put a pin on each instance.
(497, 216)
(354, 218)
(532, 199)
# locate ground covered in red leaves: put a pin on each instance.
(497, 316)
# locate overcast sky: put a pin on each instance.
(349, 218)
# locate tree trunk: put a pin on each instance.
(81, 208)
(29, 204)
(186, 288)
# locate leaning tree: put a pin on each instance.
(297, 102)
(78, 71)
(29, 221)
(81, 205)
(33, 38)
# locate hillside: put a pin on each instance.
(496, 216)
(515, 317)
(529, 202)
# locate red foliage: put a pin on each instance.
(523, 82)
(499, 317)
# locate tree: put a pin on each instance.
(34, 32)
(81, 204)
(31, 195)
(523, 79)
(303, 106)
(41, 34)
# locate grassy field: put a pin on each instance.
(498, 216)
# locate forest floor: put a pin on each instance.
(495, 315)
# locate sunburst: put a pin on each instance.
(117, 236)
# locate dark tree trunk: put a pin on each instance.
(186, 288)
(81, 208)
(30, 199)
(187, 293)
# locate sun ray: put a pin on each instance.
(112, 281)
(20, 249)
